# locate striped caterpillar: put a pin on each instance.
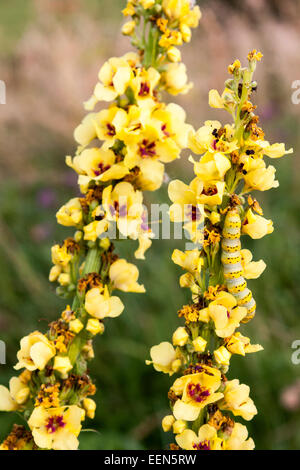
(231, 260)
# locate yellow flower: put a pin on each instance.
(94, 326)
(70, 214)
(182, 11)
(170, 123)
(90, 407)
(239, 344)
(150, 176)
(222, 356)
(275, 150)
(259, 177)
(164, 358)
(238, 439)
(124, 205)
(86, 131)
(212, 193)
(189, 260)
(56, 428)
(114, 78)
(16, 395)
(149, 143)
(197, 390)
(93, 230)
(176, 79)
(97, 164)
(186, 205)
(206, 439)
(144, 244)
(187, 280)
(199, 344)
(124, 276)
(143, 85)
(36, 350)
(237, 400)
(212, 166)
(60, 255)
(167, 422)
(204, 138)
(221, 102)
(62, 364)
(251, 269)
(180, 336)
(225, 314)
(99, 304)
(109, 123)
(256, 226)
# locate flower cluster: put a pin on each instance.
(217, 208)
(170, 23)
(121, 152)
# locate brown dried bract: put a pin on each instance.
(71, 245)
(18, 439)
(89, 282)
(172, 396)
(174, 447)
(190, 313)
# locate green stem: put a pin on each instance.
(93, 261)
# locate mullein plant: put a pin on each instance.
(121, 152)
(217, 207)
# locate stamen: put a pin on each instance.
(198, 393)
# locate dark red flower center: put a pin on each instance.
(210, 191)
(147, 149)
(145, 89)
(164, 129)
(204, 445)
(197, 392)
(111, 131)
(102, 169)
(121, 211)
(194, 213)
(54, 423)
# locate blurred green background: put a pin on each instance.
(50, 53)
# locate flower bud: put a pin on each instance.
(222, 356)
(64, 279)
(186, 32)
(215, 217)
(94, 326)
(167, 422)
(75, 326)
(90, 407)
(180, 336)
(179, 426)
(78, 236)
(104, 243)
(54, 273)
(128, 28)
(174, 54)
(199, 344)
(62, 364)
(176, 365)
